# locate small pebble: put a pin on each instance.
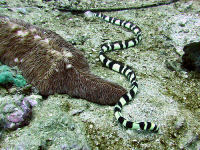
(76, 112)
(88, 14)
(12, 90)
(71, 127)
(22, 10)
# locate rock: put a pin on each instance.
(19, 112)
(191, 58)
(16, 117)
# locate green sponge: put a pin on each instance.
(7, 76)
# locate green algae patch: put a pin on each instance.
(7, 75)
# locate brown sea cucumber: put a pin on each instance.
(52, 64)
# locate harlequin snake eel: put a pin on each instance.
(125, 70)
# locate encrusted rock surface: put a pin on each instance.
(168, 95)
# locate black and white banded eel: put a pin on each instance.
(123, 69)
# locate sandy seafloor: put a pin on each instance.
(168, 95)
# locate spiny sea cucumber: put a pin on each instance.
(52, 64)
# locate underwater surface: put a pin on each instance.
(168, 94)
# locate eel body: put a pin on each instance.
(123, 69)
